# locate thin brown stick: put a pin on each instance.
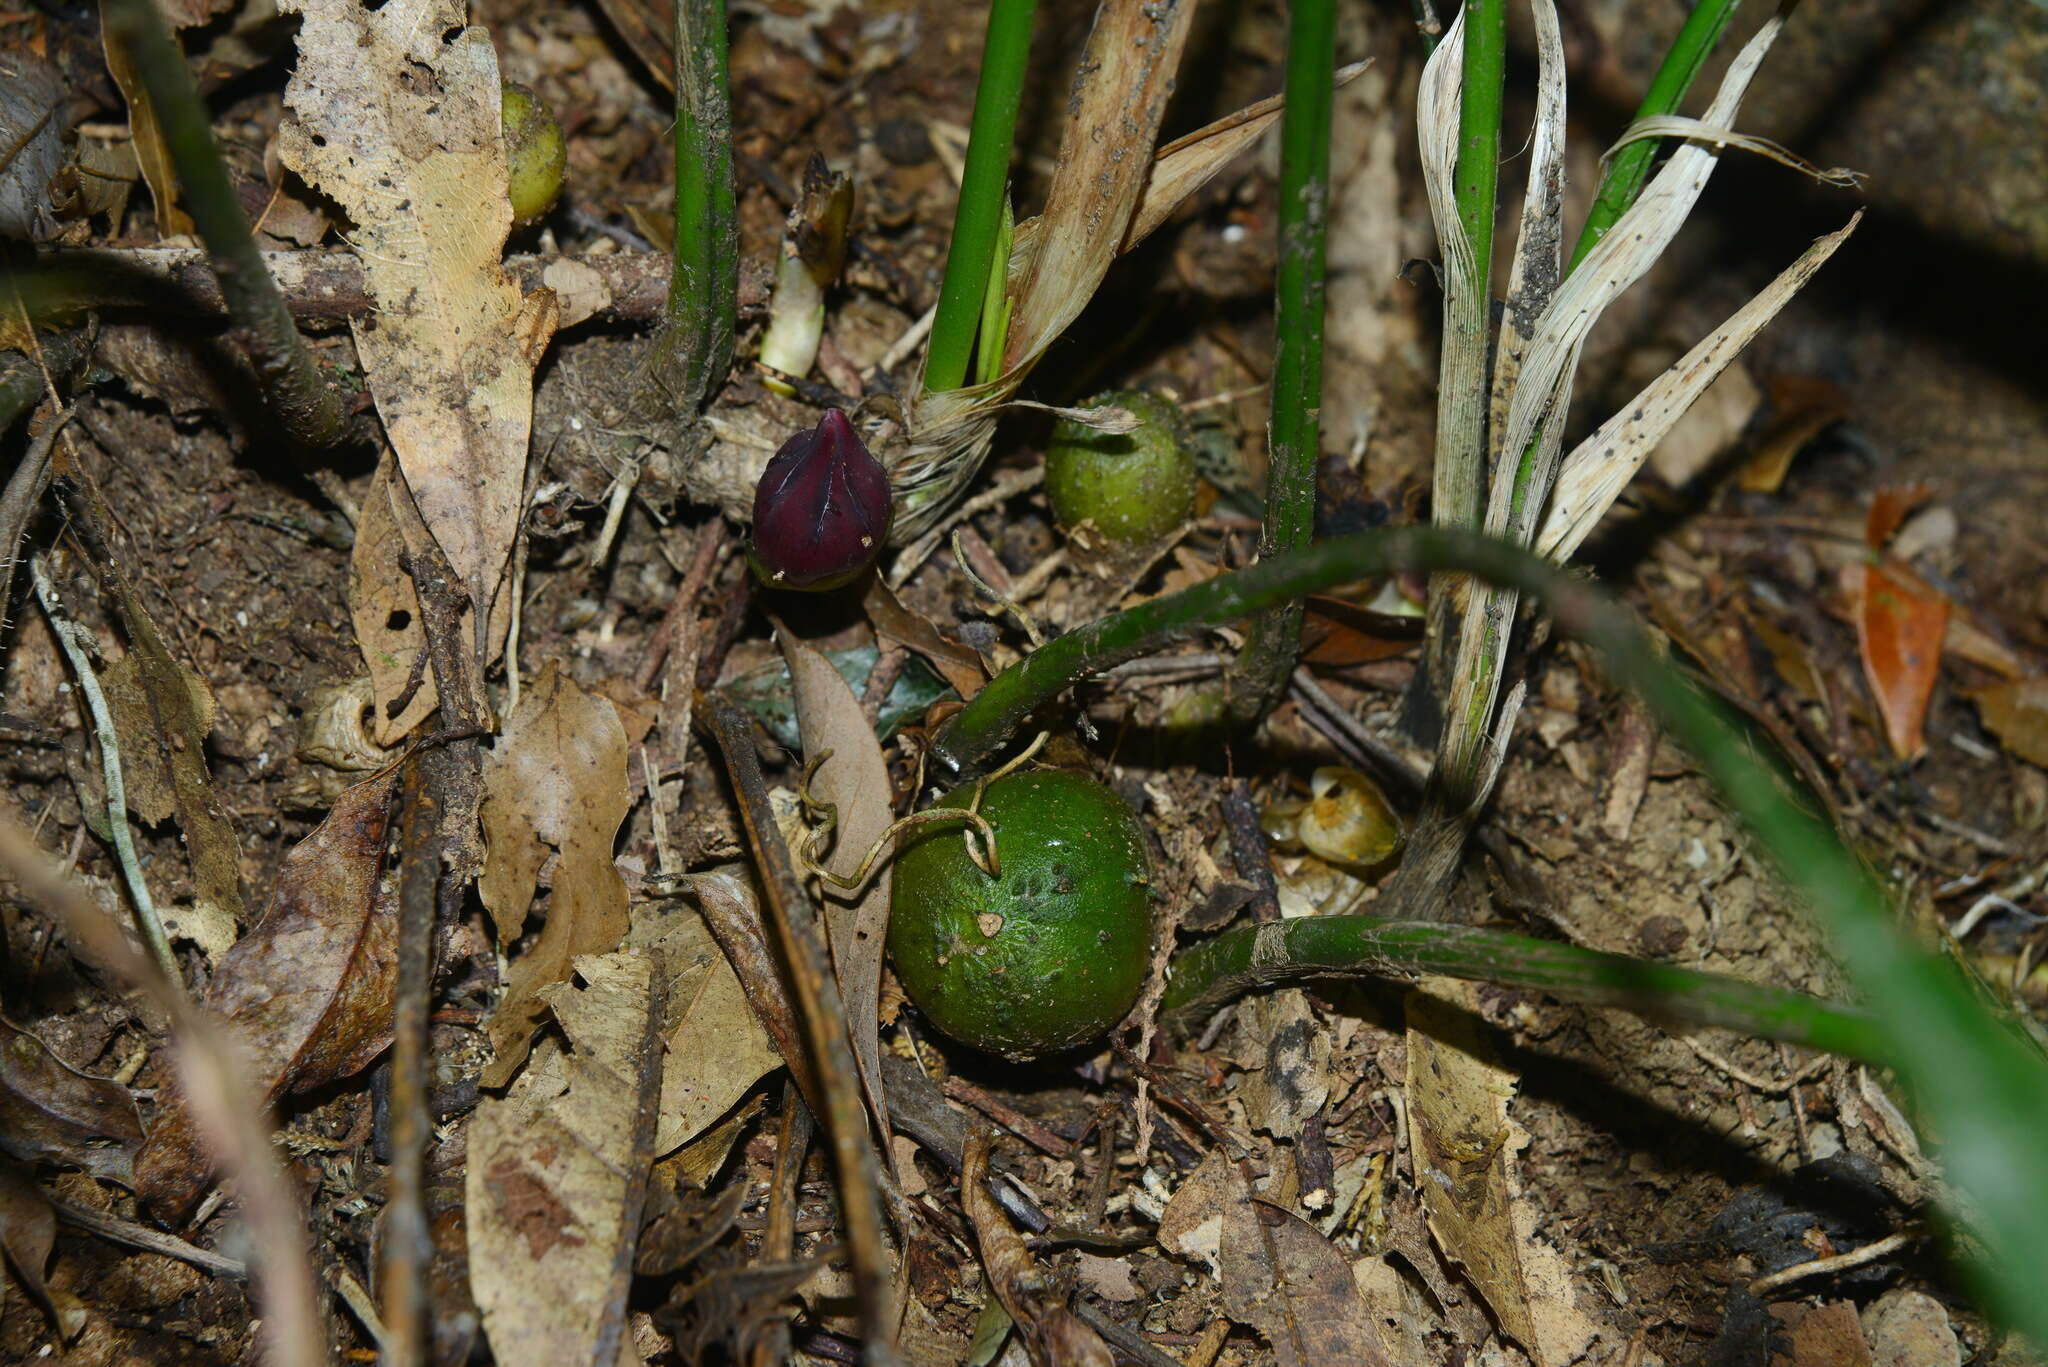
(823, 1017)
(683, 607)
(778, 1236)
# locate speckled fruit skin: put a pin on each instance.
(1135, 487)
(535, 154)
(1071, 917)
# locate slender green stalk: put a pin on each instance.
(977, 220)
(1983, 1086)
(1294, 436)
(310, 407)
(1476, 181)
(693, 351)
(1368, 946)
(1630, 167)
(1458, 482)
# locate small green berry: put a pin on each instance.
(535, 154)
(1133, 487)
(1053, 951)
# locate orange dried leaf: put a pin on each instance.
(1888, 509)
(1900, 625)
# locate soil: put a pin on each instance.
(1650, 1151)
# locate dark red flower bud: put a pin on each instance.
(822, 509)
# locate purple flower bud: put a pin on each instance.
(822, 509)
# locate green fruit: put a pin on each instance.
(1135, 487)
(1053, 952)
(535, 154)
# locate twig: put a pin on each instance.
(1840, 1262)
(682, 609)
(22, 496)
(1009, 1117)
(117, 1230)
(778, 1236)
(823, 1017)
(79, 648)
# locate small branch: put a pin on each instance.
(311, 408)
(1827, 1267)
(823, 1017)
(318, 286)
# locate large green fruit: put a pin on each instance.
(1134, 487)
(1053, 952)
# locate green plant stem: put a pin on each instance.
(1368, 946)
(1983, 1086)
(1294, 436)
(1458, 483)
(977, 220)
(311, 408)
(1630, 167)
(693, 350)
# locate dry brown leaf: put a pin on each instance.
(28, 1231)
(1192, 1226)
(1284, 1279)
(2017, 713)
(855, 783)
(152, 153)
(557, 780)
(558, 1171)
(1466, 1151)
(715, 1048)
(306, 994)
(50, 1112)
(1295, 1081)
(385, 608)
(892, 621)
(394, 114)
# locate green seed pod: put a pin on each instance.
(1049, 954)
(1128, 488)
(535, 154)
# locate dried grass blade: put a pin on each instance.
(1539, 245)
(1600, 467)
(1461, 370)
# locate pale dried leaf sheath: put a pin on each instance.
(1550, 361)
(395, 115)
(855, 781)
(1051, 1333)
(1600, 467)
(1539, 245)
(1461, 368)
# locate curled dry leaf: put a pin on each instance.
(1052, 1334)
(305, 995)
(854, 781)
(49, 1112)
(1467, 1156)
(556, 781)
(28, 1231)
(558, 1170)
(395, 115)
(714, 1047)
